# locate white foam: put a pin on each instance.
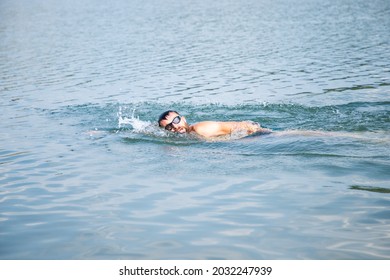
(137, 125)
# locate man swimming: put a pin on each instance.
(174, 122)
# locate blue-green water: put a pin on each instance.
(85, 173)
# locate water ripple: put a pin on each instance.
(85, 173)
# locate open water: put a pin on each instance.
(85, 173)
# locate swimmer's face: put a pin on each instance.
(175, 123)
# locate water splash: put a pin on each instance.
(138, 126)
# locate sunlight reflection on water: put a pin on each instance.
(85, 173)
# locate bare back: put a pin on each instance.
(214, 129)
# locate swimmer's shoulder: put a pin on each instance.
(210, 128)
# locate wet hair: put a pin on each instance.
(164, 116)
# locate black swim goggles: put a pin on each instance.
(175, 120)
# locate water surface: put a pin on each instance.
(85, 173)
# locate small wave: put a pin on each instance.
(138, 126)
(141, 118)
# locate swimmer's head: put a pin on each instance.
(172, 121)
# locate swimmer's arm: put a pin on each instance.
(248, 126)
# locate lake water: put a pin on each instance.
(85, 173)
